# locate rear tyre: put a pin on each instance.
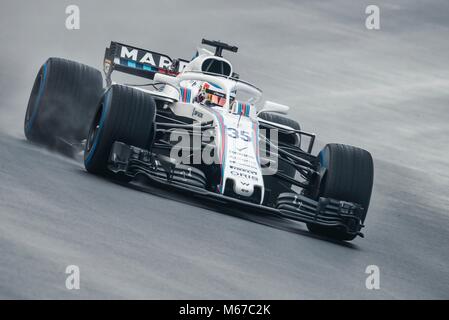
(276, 185)
(349, 177)
(124, 114)
(62, 102)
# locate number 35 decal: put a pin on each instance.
(235, 134)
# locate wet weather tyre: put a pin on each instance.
(62, 102)
(124, 114)
(349, 177)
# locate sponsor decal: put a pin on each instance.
(148, 58)
(196, 113)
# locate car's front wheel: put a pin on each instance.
(124, 114)
(348, 177)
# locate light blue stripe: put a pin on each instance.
(216, 86)
(131, 64)
(181, 95)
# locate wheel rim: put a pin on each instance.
(34, 100)
(94, 130)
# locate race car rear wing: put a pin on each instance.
(139, 62)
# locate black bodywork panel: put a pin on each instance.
(164, 172)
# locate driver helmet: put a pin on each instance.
(212, 95)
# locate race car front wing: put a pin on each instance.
(165, 172)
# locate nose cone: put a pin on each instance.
(243, 188)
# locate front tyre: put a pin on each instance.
(124, 114)
(349, 177)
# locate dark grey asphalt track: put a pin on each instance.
(386, 91)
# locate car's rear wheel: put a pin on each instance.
(348, 177)
(62, 102)
(124, 114)
(276, 185)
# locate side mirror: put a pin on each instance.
(163, 78)
(270, 106)
(171, 90)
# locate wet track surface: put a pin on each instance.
(386, 91)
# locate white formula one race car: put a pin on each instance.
(200, 129)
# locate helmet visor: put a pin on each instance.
(215, 98)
